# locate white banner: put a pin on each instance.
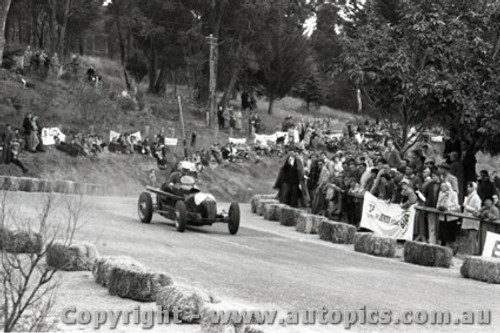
(170, 142)
(491, 247)
(238, 141)
(48, 135)
(388, 220)
(261, 139)
(137, 135)
(113, 136)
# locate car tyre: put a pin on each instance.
(145, 207)
(234, 218)
(180, 216)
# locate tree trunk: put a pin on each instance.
(227, 93)
(160, 84)
(53, 25)
(62, 32)
(123, 50)
(271, 103)
(4, 11)
(152, 68)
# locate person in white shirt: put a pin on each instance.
(472, 205)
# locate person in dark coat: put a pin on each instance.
(6, 137)
(27, 126)
(12, 155)
(220, 117)
(485, 187)
(290, 180)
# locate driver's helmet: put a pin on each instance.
(187, 167)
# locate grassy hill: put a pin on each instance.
(74, 106)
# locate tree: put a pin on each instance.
(312, 89)
(435, 65)
(4, 11)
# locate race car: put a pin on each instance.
(185, 204)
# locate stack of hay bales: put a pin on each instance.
(209, 324)
(261, 205)
(104, 265)
(255, 200)
(25, 184)
(20, 241)
(2, 182)
(272, 212)
(137, 283)
(336, 232)
(308, 223)
(427, 254)
(366, 242)
(11, 184)
(290, 216)
(187, 299)
(74, 257)
(61, 186)
(482, 269)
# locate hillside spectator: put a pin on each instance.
(471, 206)
(392, 155)
(14, 145)
(318, 203)
(37, 130)
(380, 187)
(408, 195)
(289, 181)
(448, 202)
(33, 134)
(45, 63)
(220, 117)
(27, 128)
(27, 59)
(193, 139)
(238, 120)
(75, 64)
(227, 118)
(416, 181)
(6, 138)
(485, 187)
(55, 64)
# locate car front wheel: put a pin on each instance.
(234, 218)
(180, 216)
(145, 207)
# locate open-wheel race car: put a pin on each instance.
(185, 204)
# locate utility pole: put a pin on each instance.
(212, 86)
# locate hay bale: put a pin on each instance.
(308, 223)
(20, 241)
(208, 324)
(427, 255)
(336, 232)
(74, 257)
(25, 184)
(137, 283)
(104, 265)
(11, 184)
(79, 188)
(272, 211)
(255, 199)
(71, 187)
(290, 216)
(187, 299)
(3, 181)
(367, 242)
(482, 269)
(61, 186)
(36, 185)
(261, 203)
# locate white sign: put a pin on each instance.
(238, 141)
(263, 140)
(48, 135)
(170, 142)
(137, 135)
(491, 247)
(388, 220)
(113, 136)
(336, 136)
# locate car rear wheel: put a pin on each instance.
(234, 218)
(180, 216)
(145, 207)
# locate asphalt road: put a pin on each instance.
(271, 266)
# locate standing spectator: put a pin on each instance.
(452, 144)
(27, 131)
(6, 138)
(446, 176)
(448, 201)
(27, 59)
(238, 120)
(289, 180)
(318, 204)
(245, 101)
(227, 118)
(489, 212)
(251, 124)
(38, 133)
(472, 206)
(392, 155)
(220, 117)
(485, 187)
(257, 123)
(34, 134)
(193, 140)
(54, 63)
(408, 195)
(12, 155)
(75, 64)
